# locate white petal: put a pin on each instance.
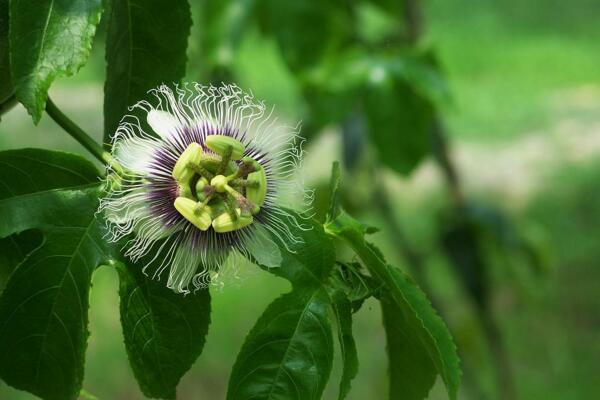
(163, 123)
(264, 249)
(135, 153)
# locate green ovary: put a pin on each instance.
(214, 190)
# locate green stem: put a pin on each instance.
(79, 134)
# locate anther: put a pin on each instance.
(222, 144)
(187, 208)
(190, 156)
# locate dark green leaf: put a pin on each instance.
(310, 261)
(289, 352)
(303, 45)
(420, 322)
(27, 171)
(412, 371)
(145, 47)
(5, 82)
(400, 122)
(355, 283)
(14, 249)
(48, 39)
(43, 310)
(164, 331)
(218, 31)
(342, 309)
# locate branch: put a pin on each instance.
(78, 134)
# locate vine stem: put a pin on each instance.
(79, 134)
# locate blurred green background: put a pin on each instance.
(525, 135)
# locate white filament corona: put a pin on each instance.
(147, 144)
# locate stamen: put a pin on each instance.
(220, 144)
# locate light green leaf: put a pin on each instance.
(289, 352)
(342, 309)
(164, 331)
(48, 39)
(145, 46)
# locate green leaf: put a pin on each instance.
(43, 309)
(419, 321)
(308, 262)
(48, 39)
(164, 331)
(27, 171)
(342, 309)
(304, 29)
(289, 352)
(411, 369)
(14, 249)
(5, 81)
(400, 122)
(145, 46)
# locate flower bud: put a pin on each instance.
(192, 154)
(220, 144)
(187, 208)
(257, 188)
(223, 223)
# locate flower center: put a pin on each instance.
(223, 190)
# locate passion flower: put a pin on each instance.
(205, 178)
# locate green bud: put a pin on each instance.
(188, 209)
(256, 191)
(223, 223)
(220, 144)
(192, 154)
